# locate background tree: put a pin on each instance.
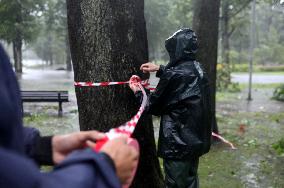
(52, 45)
(109, 43)
(163, 18)
(206, 25)
(49, 16)
(229, 21)
(270, 34)
(18, 24)
(61, 30)
(156, 14)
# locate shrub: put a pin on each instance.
(278, 68)
(278, 93)
(224, 79)
(279, 146)
(240, 68)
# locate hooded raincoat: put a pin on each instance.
(182, 100)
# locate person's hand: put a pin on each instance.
(133, 83)
(62, 145)
(149, 67)
(124, 157)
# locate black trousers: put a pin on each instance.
(181, 174)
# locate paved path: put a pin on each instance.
(258, 78)
(243, 78)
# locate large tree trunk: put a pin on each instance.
(17, 51)
(109, 43)
(206, 24)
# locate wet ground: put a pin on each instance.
(45, 115)
(252, 126)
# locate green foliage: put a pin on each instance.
(181, 13)
(278, 94)
(270, 28)
(268, 36)
(279, 146)
(51, 43)
(164, 17)
(19, 17)
(41, 24)
(234, 87)
(270, 50)
(279, 68)
(156, 15)
(240, 68)
(224, 79)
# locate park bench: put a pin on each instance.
(46, 96)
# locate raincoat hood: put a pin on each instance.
(182, 45)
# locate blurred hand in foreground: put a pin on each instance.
(125, 157)
(63, 145)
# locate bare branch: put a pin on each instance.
(232, 31)
(240, 9)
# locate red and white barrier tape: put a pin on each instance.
(144, 83)
(125, 129)
(224, 140)
(129, 127)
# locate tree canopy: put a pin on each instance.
(20, 15)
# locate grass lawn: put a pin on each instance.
(253, 130)
(255, 163)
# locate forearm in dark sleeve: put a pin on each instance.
(161, 71)
(37, 147)
(43, 151)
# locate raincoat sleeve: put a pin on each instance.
(82, 169)
(160, 71)
(156, 103)
(37, 147)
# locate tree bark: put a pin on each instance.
(206, 25)
(108, 42)
(17, 51)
